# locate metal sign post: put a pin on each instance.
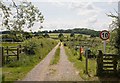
(104, 46)
(104, 35)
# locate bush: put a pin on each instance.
(46, 35)
(65, 44)
(11, 38)
(72, 35)
(60, 35)
(34, 45)
(30, 46)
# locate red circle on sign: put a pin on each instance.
(104, 35)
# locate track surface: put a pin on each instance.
(63, 71)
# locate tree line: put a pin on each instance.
(85, 31)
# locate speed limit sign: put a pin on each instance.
(104, 35)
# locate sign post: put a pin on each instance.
(87, 52)
(104, 46)
(104, 35)
(87, 61)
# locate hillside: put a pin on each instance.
(77, 30)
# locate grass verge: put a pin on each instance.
(56, 58)
(80, 65)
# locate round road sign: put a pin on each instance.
(104, 35)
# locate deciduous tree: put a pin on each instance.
(18, 15)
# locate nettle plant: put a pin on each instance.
(18, 15)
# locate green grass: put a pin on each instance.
(55, 35)
(15, 73)
(17, 70)
(9, 44)
(56, 58)
(80, 65)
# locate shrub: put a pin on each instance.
(46, 35)
(34, 45)
(72, 35)
(65, 44)
(30, 46)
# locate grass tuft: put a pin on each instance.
(56, 58)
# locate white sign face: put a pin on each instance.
(104, 35)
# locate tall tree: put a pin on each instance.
(18, 15)
(115, 26)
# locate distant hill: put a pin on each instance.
(78, 31)
(85, 31)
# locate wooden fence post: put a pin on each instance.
(20, 49)
(100, 63)
(3, 58)
(7, 49)
(115, 64)
(18, 52)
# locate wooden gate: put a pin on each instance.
(10, 51)
(106, 64)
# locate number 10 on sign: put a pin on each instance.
(104, 35)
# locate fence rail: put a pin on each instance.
(106, 63)
(10, 51)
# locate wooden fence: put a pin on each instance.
(10, 51)
(106, 64)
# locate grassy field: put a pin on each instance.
(10, 44)
(56, 58)
(16, 70)
(55, 35)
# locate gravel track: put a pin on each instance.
(63, 71)
(37, 73)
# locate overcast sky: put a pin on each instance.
(64, 14)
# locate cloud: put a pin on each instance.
(92, 20)
(73, 5)
(86, 9)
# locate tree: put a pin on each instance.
(92, 35)
(61, 37)
(115, 25)
(17, 16)
(27, 35)
(79, 37)
(72, 34)
(46, 35)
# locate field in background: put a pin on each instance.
(10, 44)
(55, 35)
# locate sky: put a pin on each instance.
(64, 14)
